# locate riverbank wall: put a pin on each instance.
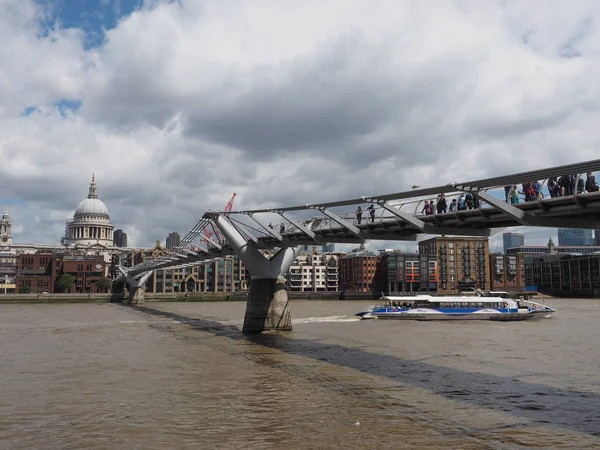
(152, 298)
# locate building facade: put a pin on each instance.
(85, 271)
(120, 238)
(572, 237)
(36, 271)
(312, 272)
(8, 272)
(597, 238)
(173, 240)
(512, 239)
(555, 249)
(227, 274)
(42, 271)
(507, 272)
(559, 274)
(361, 272)
(462, 263)
(409, 272)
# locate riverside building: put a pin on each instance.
(313, 272)
(409, 272)
(462, 263)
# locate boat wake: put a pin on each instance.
(327, 319)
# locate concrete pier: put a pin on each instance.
(136, 295)
(268, 306)
(135, 286)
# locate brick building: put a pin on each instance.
(85, 270)
(361, 272)
(463, 263)
(41, 272)
(37, 270)
(507, 272)
(409, 272)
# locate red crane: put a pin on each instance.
(208, 234)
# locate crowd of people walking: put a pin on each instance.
(557, 187)
(529, 191)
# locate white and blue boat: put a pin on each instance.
(497, 306)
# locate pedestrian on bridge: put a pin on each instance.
(514, 195)
(358, 215)
(590, 183)
(507, 193)
(453, 205)
(442, 205)
(372, 212)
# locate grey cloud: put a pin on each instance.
(352, 115)
(336, 104)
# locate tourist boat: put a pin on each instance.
(481, 306)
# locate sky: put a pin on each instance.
(175, 105)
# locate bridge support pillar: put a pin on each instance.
(268, 305)
(136, 286)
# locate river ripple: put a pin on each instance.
(181, 375)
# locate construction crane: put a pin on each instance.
(209, 233)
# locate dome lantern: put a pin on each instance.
(93, 193)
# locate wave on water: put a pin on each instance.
(326, 319)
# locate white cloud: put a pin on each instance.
(287, 103)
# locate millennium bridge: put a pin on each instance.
(396, 216)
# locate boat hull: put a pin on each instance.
(503, 317)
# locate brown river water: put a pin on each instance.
(183, 376)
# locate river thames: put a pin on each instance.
(182, 375)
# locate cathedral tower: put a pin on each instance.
(6, 238)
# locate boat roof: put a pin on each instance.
(448, 299)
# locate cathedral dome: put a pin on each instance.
(91, 223)
(92, 206)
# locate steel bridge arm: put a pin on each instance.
(243, 231)
(343, 222)
(298, 225)
(267, 229)
(525, 218)
(428, 228)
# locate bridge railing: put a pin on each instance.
(414, 207)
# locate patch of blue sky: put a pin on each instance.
(29, 110)
(10, 201)
(65, 106)
(93, 17)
